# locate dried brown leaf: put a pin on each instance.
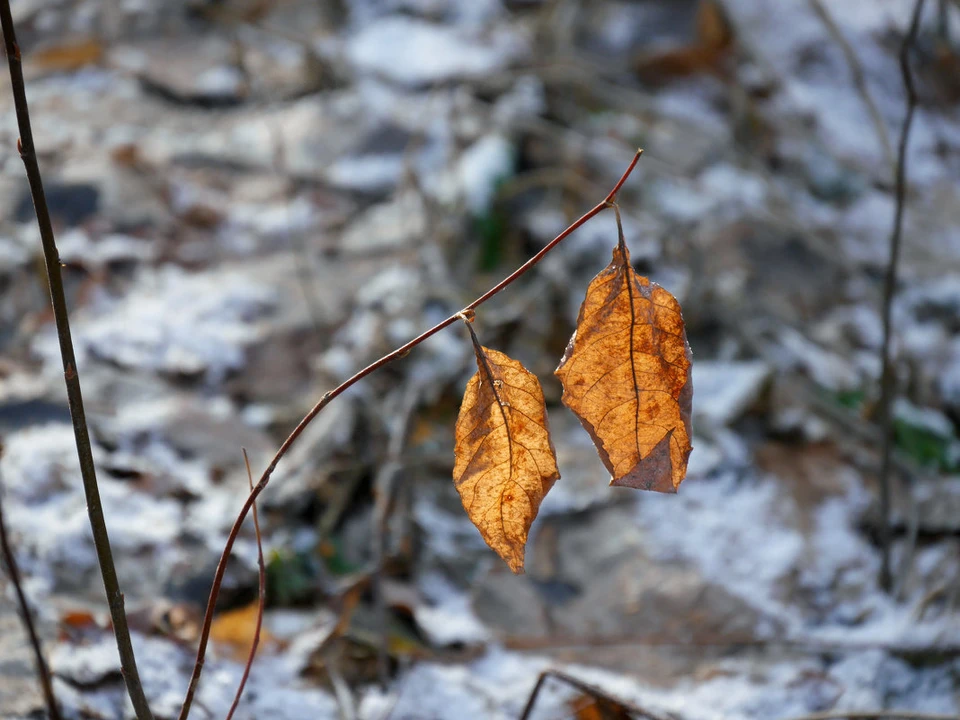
(712, 41)
(626, 375)
(236, 628)
(68, 57)
(587, 707)
(505, 460)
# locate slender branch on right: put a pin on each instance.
(887, 374)
(859, 81)
(13, 572)
(88, 473)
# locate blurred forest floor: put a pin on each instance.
(256, 198)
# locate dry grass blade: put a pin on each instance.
(505, 463)
(626, 375)
(261, 596)
(888, 380)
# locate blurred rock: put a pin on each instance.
(69, 203)
(386, 227)
(723, 391)
(589, 578)
(199, 70)
(415, 53)
(176, 323)
(87, 665)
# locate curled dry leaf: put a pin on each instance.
(505, 460)
(626, 375)
(236, 629)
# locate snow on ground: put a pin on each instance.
(251, 210)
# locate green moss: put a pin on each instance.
(291, 577)
(926, 447)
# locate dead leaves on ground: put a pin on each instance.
(68, 56)
(711, 43)
(625, 374)
(235, 629)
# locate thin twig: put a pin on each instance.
(88, 473)
(909, 553)
(859, 81)
(261, 595)
(43, 672)
(929, 598)
(384, 490)
(325, 400)
(875, 715)
(304, 262)
(812, 646)
(586, 689)
(887, 379)
(341, 691)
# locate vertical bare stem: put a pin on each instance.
(43, 672)
(887, 375)
(87, 471)
(261, 596)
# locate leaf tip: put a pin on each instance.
(516, 565)
(655, 471)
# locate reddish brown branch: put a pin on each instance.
(43, 672)
(325, 400)
(261, 596)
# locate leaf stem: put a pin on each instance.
(327, 397)
(621, 239)
(71, 377)
(485, 368)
